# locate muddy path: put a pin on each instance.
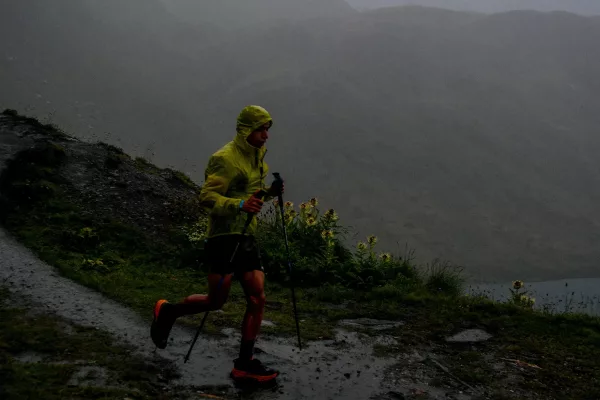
(341, 368)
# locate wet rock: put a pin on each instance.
(89, 376)
(274, 305)
(469, 335)
(29, 357)
(374, 324)
(229, 331)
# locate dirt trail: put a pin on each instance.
(318, 369)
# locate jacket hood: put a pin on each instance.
(249, 119)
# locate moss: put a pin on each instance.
(146, 166)
(111, 148)
(185, 180)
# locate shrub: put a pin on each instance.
(321, 258)
(444, 278)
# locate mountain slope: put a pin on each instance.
(583, 7)
(234, 14)
(471, 137)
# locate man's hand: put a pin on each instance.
(277, 188)
(253, 205)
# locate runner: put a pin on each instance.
(234, 174)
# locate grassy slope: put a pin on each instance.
(63, 347)
(137, 270)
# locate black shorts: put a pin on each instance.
(219, 250)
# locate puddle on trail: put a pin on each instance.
(344, 367)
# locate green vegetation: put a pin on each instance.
(335, 282)
(40, 355)
(184, 179)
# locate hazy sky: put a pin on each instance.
(469, 137)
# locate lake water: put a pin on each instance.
(573, 295)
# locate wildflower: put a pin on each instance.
(276, 202)
(527, 299)
(518, 285)
(362, 246)
(306, 209)
(86, 232)
(311, 221)
(385, 257)
(314, 202)
(288, 205)
(327, 234)
(372, 240)
(291, 214)
(330, 215)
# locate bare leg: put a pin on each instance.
(218, 291)
(253, 283)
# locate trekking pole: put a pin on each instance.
(259, 194)
(287, 248)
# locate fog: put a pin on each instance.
(583, 7)
(470, 137)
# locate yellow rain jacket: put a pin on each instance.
(234, 173)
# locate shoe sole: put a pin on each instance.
(155, 313)
(243, 375)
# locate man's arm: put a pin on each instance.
(218, 176)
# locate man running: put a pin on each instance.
(233, 175)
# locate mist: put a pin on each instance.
(467, 136)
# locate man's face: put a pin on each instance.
(259, 137)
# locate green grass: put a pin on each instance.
(63, 347)
(127, 265)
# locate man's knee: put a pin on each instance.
(257, 301)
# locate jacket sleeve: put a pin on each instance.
(218, 175)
